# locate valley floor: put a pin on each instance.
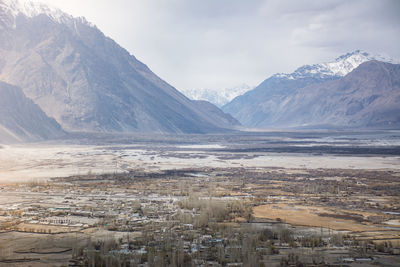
(105, 154)
(257, 199)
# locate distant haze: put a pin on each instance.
(221, 44)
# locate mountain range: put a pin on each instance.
(355, 90)
(61, 74)
(218, 97)
(86, 81)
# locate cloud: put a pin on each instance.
(218, 44)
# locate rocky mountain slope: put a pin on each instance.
(86, 81)
(369, 96)
(319, 96)
(21, 119)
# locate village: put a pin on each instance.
(205, 217)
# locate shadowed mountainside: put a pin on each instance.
(21, 119)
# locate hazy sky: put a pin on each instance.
(224, 43)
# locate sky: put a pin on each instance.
(225, 43)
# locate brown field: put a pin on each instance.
(43, 228)
(308, 216)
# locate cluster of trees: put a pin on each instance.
(224, 244)
(209, 211)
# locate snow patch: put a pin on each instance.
(338, 68)
(32, 9)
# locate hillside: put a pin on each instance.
(21, 119)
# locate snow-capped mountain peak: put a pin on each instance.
(340, 67)
(218, 97)
(31, 9)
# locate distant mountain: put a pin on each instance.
(218, 97)
(369, 96)
(86, 81)
(340, 67)
(272, 103)
(22, 120)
